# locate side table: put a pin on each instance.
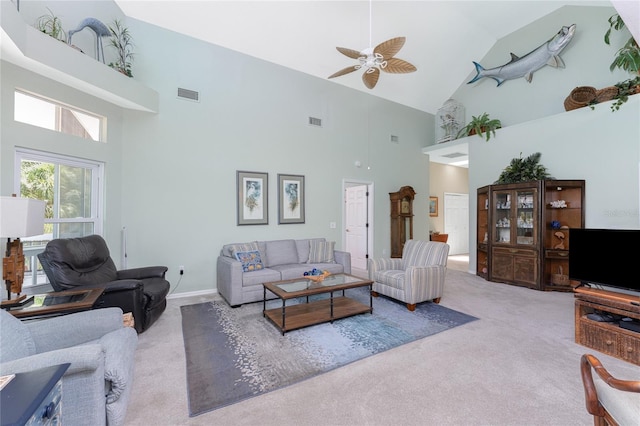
(33, 397)
(56, 303)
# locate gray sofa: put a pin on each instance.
(280, 260)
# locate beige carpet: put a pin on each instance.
(517, 365)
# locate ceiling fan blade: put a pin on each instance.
(389, 48)
(344, 71)
(398, 66)
(349, 52)
(370, 79)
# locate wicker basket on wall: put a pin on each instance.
(606, 94)
(580, 97)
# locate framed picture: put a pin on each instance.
(290, 199)
(253, 203)
(433, 206)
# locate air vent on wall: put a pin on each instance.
(394, 139)
(191, 95)
(313, 121)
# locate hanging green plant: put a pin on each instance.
(628, 56)
(524, 170)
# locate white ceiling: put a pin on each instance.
(443, 37)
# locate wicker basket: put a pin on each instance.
(606, 94)
(580, 97)
(559, 278)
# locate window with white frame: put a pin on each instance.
(49, 114)
(72, 190)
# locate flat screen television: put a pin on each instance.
(606, 257)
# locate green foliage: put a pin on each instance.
(524, 170)
(121, 40)
(481, 125)
(37, 181)
(625, 89)
(628, 56)
(51, 25)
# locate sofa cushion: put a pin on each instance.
(265, 275)
(230, 250)
(281, 252)
(321, 252)
(304, 247)
(250, 260)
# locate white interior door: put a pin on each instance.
(456, 222)
(356, 219)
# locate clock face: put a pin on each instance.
(404, 206)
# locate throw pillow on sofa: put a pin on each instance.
(321, 252)
(237, 248)
(250, 260)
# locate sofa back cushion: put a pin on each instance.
(230, 250)
(280, 252)
(421, 253)
(304, 247)
(321, 252)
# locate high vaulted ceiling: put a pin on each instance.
(442, 37)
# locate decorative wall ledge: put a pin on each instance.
(25, 46)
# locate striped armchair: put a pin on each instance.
(417, 277)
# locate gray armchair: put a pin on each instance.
(417, 277)
(100, 349)
(611, 401)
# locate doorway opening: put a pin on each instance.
(357, 233)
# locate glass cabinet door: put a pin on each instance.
(525, 218)
(502, 217)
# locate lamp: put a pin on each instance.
(19, 217)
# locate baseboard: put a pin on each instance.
(192, 293)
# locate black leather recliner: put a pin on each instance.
(75, 263)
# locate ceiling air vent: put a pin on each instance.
(394, 139)
(191, 95)
(455, 155)
(313, 121)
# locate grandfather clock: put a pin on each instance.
(401, 218)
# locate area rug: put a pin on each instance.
(234, 353)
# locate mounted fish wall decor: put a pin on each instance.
(546, 54)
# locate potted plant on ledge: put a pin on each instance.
(121, 41)
(480, 125)
(51, 25)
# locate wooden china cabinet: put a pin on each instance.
(401, 219)
(523, 232)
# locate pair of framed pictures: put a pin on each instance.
(253, 198)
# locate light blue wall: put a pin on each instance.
(587, 60)
(599, 146)
(179, 166)
(171, 177)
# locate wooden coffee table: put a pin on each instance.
(57, 303)
(301, 315)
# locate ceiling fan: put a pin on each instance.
(372, 60)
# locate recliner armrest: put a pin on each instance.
(83, 359)
(87, 326)
(141, 273)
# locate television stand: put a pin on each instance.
(607, 337)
